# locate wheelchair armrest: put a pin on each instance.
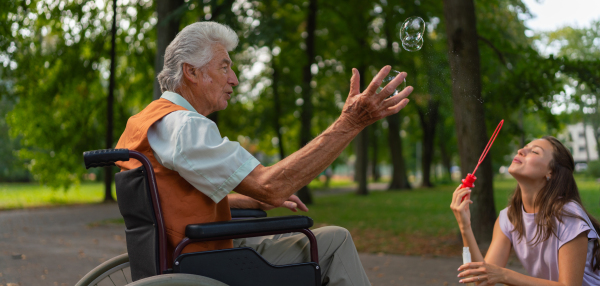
(247, 226)
(247, 213)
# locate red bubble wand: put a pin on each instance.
(470, 179)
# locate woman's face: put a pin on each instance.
(532, 161)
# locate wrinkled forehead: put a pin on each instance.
(220, 55)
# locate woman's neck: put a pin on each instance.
(529, 191)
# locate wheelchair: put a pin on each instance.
(145, 262)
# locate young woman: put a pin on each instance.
(552, 234)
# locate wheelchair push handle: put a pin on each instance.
(105, 157)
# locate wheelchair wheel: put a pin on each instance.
(114, 271)
(177, 280)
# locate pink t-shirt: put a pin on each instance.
(541, 261)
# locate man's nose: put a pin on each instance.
(233, 80)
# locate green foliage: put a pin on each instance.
(55, 71)
(60, 81)
(593, 169)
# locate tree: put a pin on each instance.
(108, 172)
(307, 105)
(463, 54)
(168, 12)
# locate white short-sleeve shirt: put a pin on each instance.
(189, 143)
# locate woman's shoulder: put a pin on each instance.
(505, 225)
(573, 208)
(503, 215)
(574, 221)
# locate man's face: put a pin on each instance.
(217, 80)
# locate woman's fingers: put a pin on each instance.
(460, 187)
(470, 265)
(457, 196)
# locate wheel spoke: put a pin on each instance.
(126, 282)
(113, 282)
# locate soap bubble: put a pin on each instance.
(392, 75)
(411, 33)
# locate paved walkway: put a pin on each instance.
(57, 246)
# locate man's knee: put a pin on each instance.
(332, 237)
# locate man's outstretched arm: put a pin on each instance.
(275, 184)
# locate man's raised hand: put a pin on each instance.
(363, 109)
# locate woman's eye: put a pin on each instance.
(534, 152)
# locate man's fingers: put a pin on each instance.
(396, 108)
(376, 82)
(392, 85)
(394, 100)
(355, 82)
(290, 205)
(299, 202)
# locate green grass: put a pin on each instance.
(415, 222)
(26, 195)
(412, 222)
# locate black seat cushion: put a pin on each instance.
(247, 226)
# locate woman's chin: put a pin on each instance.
(513, 171)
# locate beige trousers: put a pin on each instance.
(338, 258)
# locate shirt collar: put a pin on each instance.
(177, 99)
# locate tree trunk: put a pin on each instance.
(375, 174)
(463, 55)
(277, 108)
(362, 147)
(307, 107)
(360, 166)
(399, 177)
(167, 28)
(428, 123)
(109, 108)
(446, 158)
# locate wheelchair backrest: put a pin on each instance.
(136, 207)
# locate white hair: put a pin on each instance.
(193, 45)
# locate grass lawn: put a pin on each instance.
(25, 195)
(416, 222)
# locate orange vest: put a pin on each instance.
(181, 203)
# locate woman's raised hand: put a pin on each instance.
(461, 209)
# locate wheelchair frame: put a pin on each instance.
(100, 158)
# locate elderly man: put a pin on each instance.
(196, 168)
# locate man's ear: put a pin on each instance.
(190, 73)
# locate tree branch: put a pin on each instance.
(498, 52)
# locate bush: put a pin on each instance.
(593, 169)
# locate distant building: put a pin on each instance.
(578, 140)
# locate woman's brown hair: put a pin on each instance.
(558, 191)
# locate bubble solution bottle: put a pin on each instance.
(467, 259)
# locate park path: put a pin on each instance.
(57, 246)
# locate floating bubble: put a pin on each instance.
(392, 75)
(413, 46)
(411, 33)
